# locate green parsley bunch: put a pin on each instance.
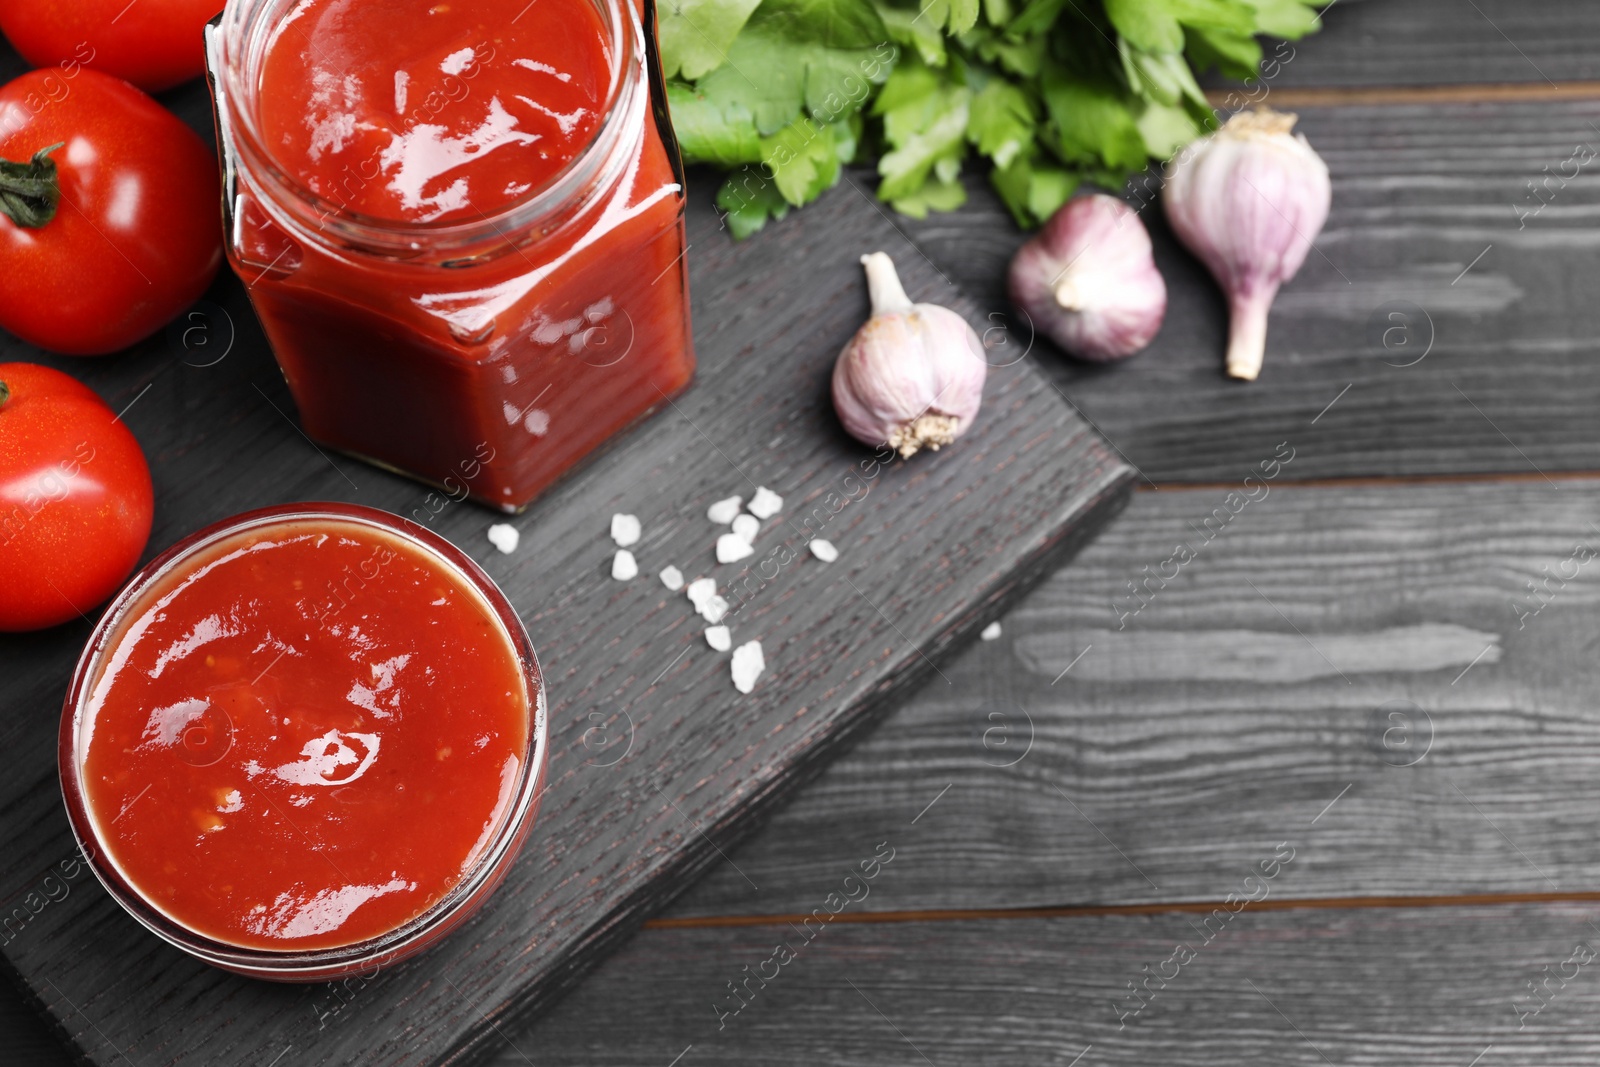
(1051, 93)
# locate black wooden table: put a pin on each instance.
(1330, 796)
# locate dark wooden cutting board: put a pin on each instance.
(658, 766)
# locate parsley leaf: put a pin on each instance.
(1000, 121)
(695, 34)
(772, 78)
(913, 29)
(1033, 189)
(935, 195)
(1089, 123)
(831, 23)
(803, 159)
(1286, 18)
(925, 124)
(724, 134)
(1233, 55)
(748, 197)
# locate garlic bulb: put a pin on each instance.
(1088, 280)
(1249, 200)
(912, 376)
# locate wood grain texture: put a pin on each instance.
(657, 764)
(1242, 701)
(1447, 42)
(26, 1039)
(1420, 193)
(1432, 987)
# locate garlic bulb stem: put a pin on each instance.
(888, 296)
(1247, 333)
(912, 376)
(1067, 294)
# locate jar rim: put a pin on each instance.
(304, 965)
(235, 49)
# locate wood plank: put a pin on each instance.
(930, 553)
(1244, 699)
(1433, 987)
(1420, 193)
(24, 1036)
(1445, 42)
(1426, 986)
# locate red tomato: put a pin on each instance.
(155, 44)
(136, 237)
(75, 498)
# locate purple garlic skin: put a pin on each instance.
(912, 376)
(1088, 280)
(1249, 200)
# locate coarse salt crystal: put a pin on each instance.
(624, 568)
(748, 664)
(724, 511)
(719, 638)
(707, 604)
(625, 530)
(504, 536)
(672, 578)
(731, 548)
(701, 590)
(746, 527)
(765, 503)
(991, 631)
(824, 550)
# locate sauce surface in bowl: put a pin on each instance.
(303, 736)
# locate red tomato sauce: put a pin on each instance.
(497, 371)
(427, 112)
(304, 736)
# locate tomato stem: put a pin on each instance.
(5, 394)
(29, 192)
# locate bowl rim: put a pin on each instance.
(416, 933)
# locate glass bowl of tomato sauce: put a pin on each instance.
(305, 742)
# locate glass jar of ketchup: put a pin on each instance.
(461, 225)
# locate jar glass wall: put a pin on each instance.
(489, 351)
